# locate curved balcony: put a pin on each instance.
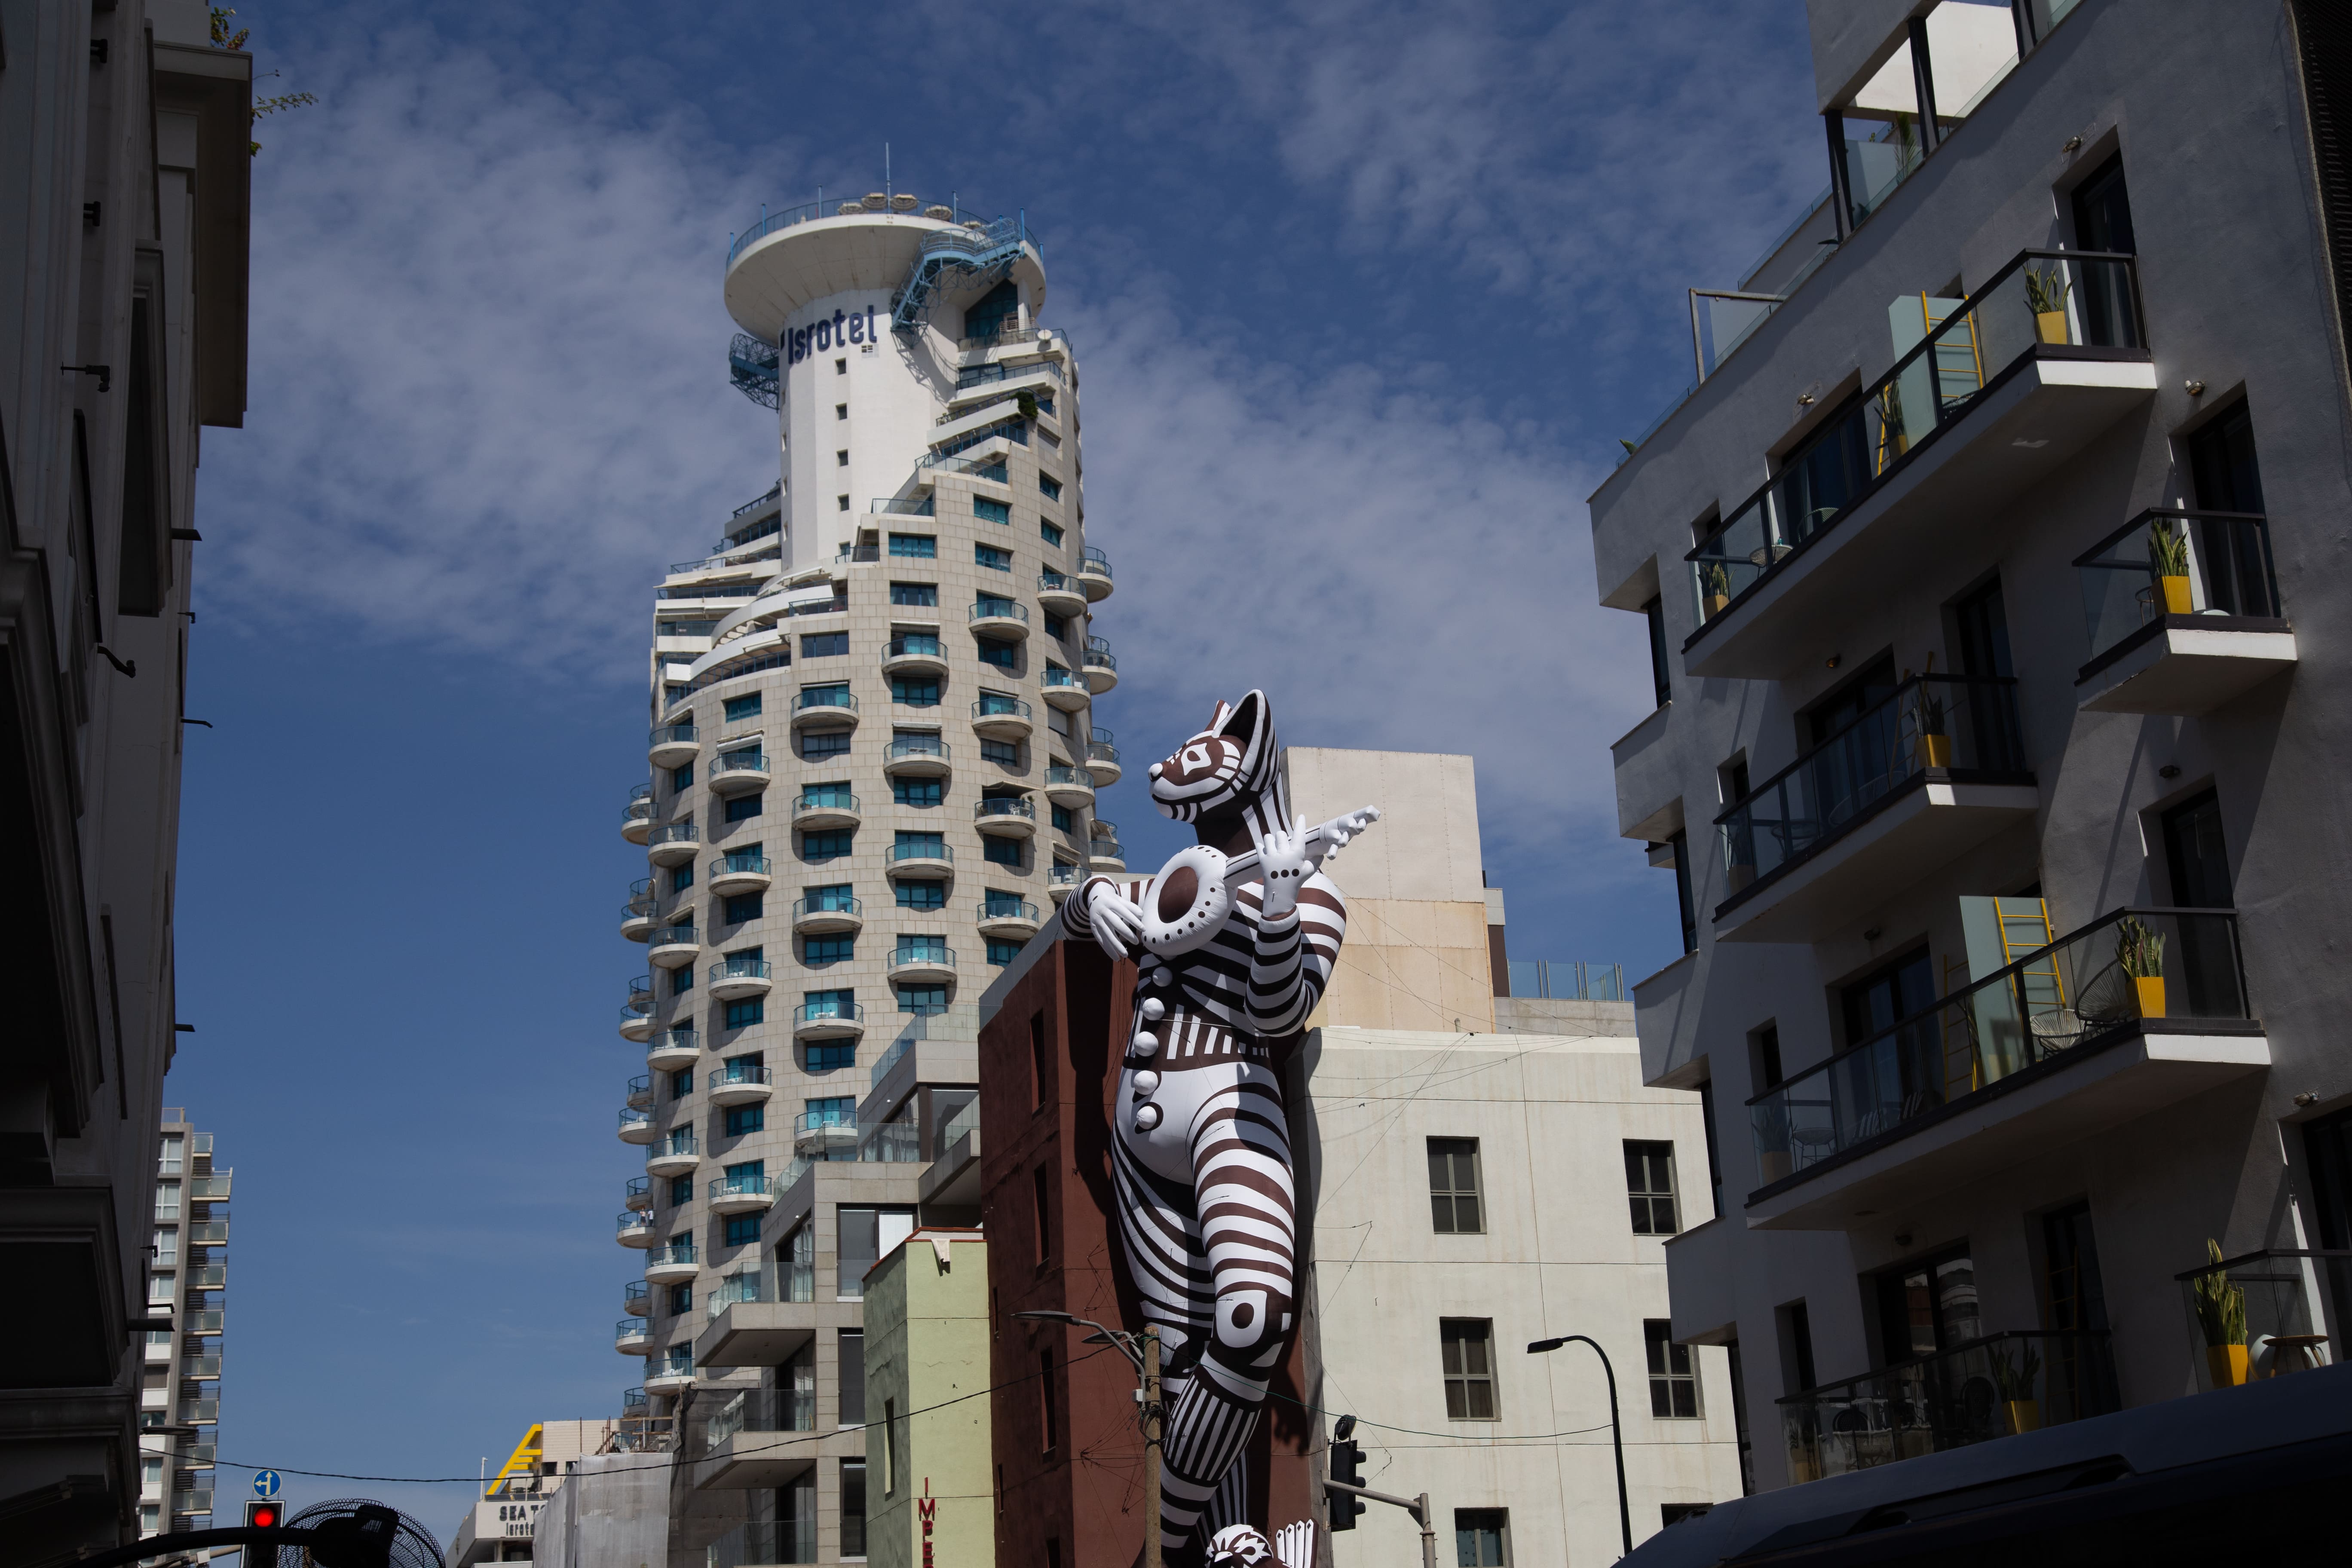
(678, 1157)
(995, 618)
(668, 1379)
(920, 861)
(641, 995)
(816, 916)
(935, 966)
(1094, 572)
(635, 1025)
(1064, 689)
(1058, 595)
(1011, 919)
(673, 745)
(672, 843)
(637, 817)
(1009, 819)
(917, 757)
(1002, 717)
(632, 1229)
(740, 1195)
(740, 773)
(637, 1298)
(636, 1126)
(1102, 760)
(1106, 854)
(740, 874)
(828, 1021)
(734, 978)
(641, 1093)
(820, 809)
(826, 704)
(671, 1263)
(821, 1134)
(1062, 880)
(1070, 787)
(637, 914)
(740, 1083)
(674, 949)
(673, 1050)
(629, 1337)
(913, 654)
(637, 1192)
(1102, 669)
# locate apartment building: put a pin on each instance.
(179, 1398)
(122, 271)
(1987, 577)
(874, 762)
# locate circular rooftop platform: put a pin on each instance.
(797, 255)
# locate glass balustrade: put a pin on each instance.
(2165, 562)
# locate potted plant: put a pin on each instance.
(1715, 588)
(2020, 1407)
(1934, 739)
(2167, 555)
(2140, 952)
(2222, 1319)
(2045, 296)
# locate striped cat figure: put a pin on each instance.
(1235, 939)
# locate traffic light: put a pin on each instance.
(264, 1513)
(1347, 1465)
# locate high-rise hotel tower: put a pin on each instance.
(872, 752)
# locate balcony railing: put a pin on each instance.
(823, 697)
(641, 996)
(1996, 1386)
(739, 762)
(636, 1298)
(743, 969)
(1013, 806)
(679, 1141)
(636, 1187)
(1001, 708)
(667, 734)
(1094, 562)
(764, 1410)
(2166, 563)
(2278, 1325)
(818, 1012)
(1061, 876)
(1052, 677)
(679, 1039)
(1059, 583)
(632, 1117)
(739, 1188)
(680, 1251)
(937, 955)
(962, 1122)
(921, 852)
(740, 1072)
(998, 610)
(1008, 909)
(674, 833)
(2056, 1004)
(2058, 298)
(827, 904)
(709, 591)
(1101, 751)
(918, 746)
(920, 644)
(905, 506)
(1962, 725)
(892, 1143)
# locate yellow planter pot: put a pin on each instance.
(1934, 751)
(2149, 991)
(2227, 1363)
(2052, 324)
(2175, 596)
(2023, 1414)
(1715, 604)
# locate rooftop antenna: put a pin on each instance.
(886, 169)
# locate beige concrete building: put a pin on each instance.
(926, 1329)
(179, 1395)
(502, 1525)
(123, 207)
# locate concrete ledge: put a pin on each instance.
(2186, 665)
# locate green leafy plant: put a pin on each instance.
(224, 38)
(2141, 951)
(2015, 1379)
(2168, 547)
(2221, 1305)
(2046, 291)
(1714, 581)
(1027, 403)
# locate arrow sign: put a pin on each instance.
(264, 1483)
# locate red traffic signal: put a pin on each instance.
(261, 1514)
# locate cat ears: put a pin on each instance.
(1239, 721)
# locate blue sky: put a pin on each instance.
(1364, 294)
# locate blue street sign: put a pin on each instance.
(264, 1483)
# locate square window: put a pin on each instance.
(1051, 532)
(841, 459)
(841, 503)
(917, 792)
(743, 807)
(991, 511)
(1469, 1353)
(681, 980)
(1000, 851)
(1454, 1199)
(830, 1056)
(682, 778)
(743, 1230)
(1673, 1380)
(923, 1000)
(1005, 751)
(1049, 486)
(915, 691)
(822, 950)
(1650, 1186)
(1003, 952)
(825, 645)
(920, 594)
(922, 895)
(1065, 819)
(841, 367)
(743, 1118)
(681, 877)
(743, 707)
(1003, 655)
(681, 1300)
(818, 744)
(914, 547)
(841, 411)
(995, 560)
(818, 848)
(682, 1083)
(742, 906)
(744, 1014)
(1482, 1537)
(681, 1191)
(1057, 627)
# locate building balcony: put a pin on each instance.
(831, 912)
(640, 1092)
(822, 1134)
(673, 1049)
(1106, 854)
(673, 745)
(1102, 669)
(760, 1320)
(1072, 787)
(738, 874)
(632, 1229)
(2063, 1043)
(1094, 573)
(740, 1083)
(1102, 760)
(2183, 611)
(668, 1377)
(672, 1263)
(1062, 880)
(1995, 397)
(637, 914)
(1002, 717)
(1934, 769)
(917, 756)
(674, 948)
(636, 1126)
(828, 705)
(828, 1021)
(914, 653)
(630, 1337)
(932, 963)
(820, 809)
(993, 618)
(1996, 1386)
(740, 771)
(1063, 689)
(637, 1298)
(920, 861)
(637, 817)
(1010, 816)
(741, 1194)
(673, 844)
(1008, 920)
(2285, 1325)
(634, 1024)
(637, 1192)
(673, 1156)
(734, 978)
(1060, 595)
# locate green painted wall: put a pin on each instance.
(927, 1346)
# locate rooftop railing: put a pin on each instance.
(774, 492)
(709, 590)
(2059, 1002)
(900, 203)
(2055, 299)
(2166, 563)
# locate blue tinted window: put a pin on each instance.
(743, 1118)
(831, 1056)
(1057, 628)
(1003, 655)
(1049, 486)
(1005, 751)
(743, 1015)
(828, 948)
(917, 792)
(682, 1083)
(818, 744)
(931, 843)
(743, 707)
(743, 1229)
(827, 1004)
(991, 511)
(681, 1190)
(1051, 533)
(919, 894)
(914, 593)
(1001, 952)
(742, 906)
(743, 807)
(822, 846)
(995, 560)
(1065, 819)
(681, 877)
(923, 999)
(841, 1108)
(682, 778)
(934, 947)
(825, 645)
(999, 902)
(916, 692)
(681, 980)
(1001, 851)
(915, 546)
(832, 896)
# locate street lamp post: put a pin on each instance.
(1616, 1432)
(1142, 1352)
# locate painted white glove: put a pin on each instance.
(1281, 856)
(1117, 920)
(1294, 1544)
